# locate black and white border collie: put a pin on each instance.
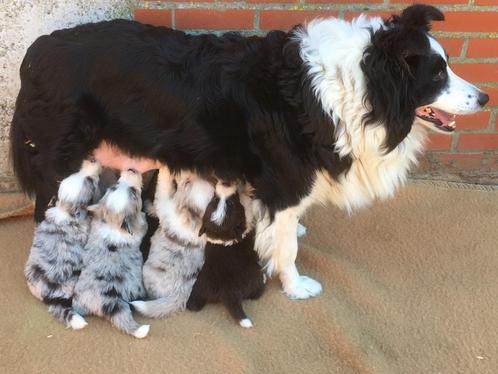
(332, 111)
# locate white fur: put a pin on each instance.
(246, 323)
(219, 214)
(142, 332)
(301, 230)
(78, 322)
(460, 97)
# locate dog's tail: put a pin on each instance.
(122, 318)
(235, 309)
(61, 308)
(159, 308)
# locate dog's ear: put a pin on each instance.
(420, 16)
(387, 65)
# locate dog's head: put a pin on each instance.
(120, 208)
(409, 79)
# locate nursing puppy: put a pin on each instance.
(56, 256)
(112, 273)
(177, 252)
(231, 271)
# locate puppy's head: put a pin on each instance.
(224, 220)
(77, 191)
(120, 207)
(409, 80)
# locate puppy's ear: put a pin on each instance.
(126, 226)
(420, 16)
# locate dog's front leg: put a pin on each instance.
(276, 243)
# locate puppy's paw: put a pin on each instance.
(302, 287)
(246, 323)
(141, 332)
(301, 230)
(77, 322)
(138, 305)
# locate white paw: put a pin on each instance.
(246, 323)
(138, 305)
(301, 230)
(77, 322)
(141, 332)
(302, 288)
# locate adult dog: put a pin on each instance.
(333, 111)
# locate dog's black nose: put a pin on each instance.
(483, 98)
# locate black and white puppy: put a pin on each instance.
(333, 111)
(231, 272)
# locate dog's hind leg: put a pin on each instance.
(234, 307)
(119, 313)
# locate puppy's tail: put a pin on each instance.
(159, 308)
(61, 308)
(121, 317)
(235, 309)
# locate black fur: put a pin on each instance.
(238, 107)
(230, 104)
(234, 222)
(230, 275)
(399, 68)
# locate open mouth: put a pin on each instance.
(442, 120)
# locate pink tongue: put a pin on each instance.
(444, 117)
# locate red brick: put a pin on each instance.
(483, 47)
(468, 21)
(432, 1)
(486, 2)
(478, 142)
(156, 17)
(452, 46)
(439, 142)
(493, 95)
(345, 1)
(214, 19)
(269, 1)
(477, 72)
(372, 13)
(473, 121)
(285, 19)
(462, 160)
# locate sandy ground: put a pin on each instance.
(410, 286)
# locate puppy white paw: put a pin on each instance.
(302, 288)
(246, 323)
(301, 230)
(77, 322)
(141, 332)
(138, 305)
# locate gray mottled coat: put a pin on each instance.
(177, 252)
(112, 273)
(56, 256)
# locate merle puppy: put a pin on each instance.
(112, 273)
(231, 271)
(56, 256)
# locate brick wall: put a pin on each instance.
(470, 35)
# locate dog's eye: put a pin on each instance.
(441, 74)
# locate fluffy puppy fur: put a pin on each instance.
(112, 273)
(177, 252)
(231, 272)
(56, 256)
(330, 112)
